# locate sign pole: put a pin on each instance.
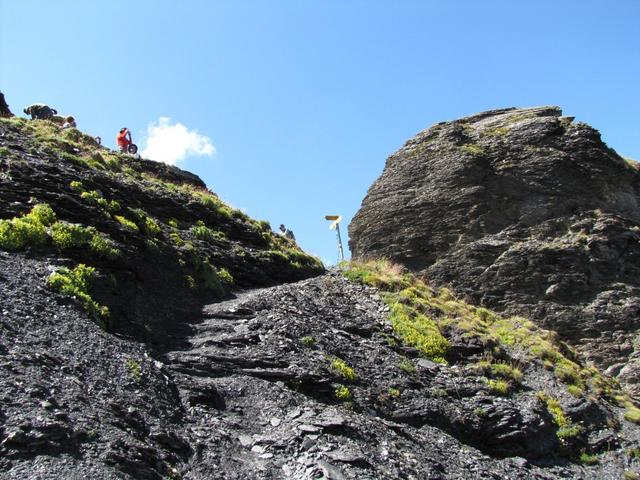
(340, 243)
(335, 224)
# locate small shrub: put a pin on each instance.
(17, 233)
(480, 412)
(176, 239)
(345, 371)
(308, 341)
(506, 371)
(134, 369)
(393, 392)
(43, 214)
(125, 222)
(419, 331)
(202, 232)
(566, 429)
(342, 392)
(95, 198)
(406, 366)
(575, 391)
(190, 281)
(225, 276)
(499, 387)
(76, 283)
(588, 459)
(569, 431)
(632, 413)
(568, 372)
(70, 235)
(103, 247)
(151, 227)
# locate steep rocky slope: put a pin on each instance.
(148, 331)
(155, 234)
(524, 211)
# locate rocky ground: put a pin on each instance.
(524, 211)
(250, 396)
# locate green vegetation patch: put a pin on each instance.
(423, 317)
(77, 283)
(135, 369)
(499, 387)
(308, 341)
(588, 458)
(202, 232)
(419, 331)
(342, 392)
(566, 429)
(407, 366)
(29, 229)
(499, 371)
(341, 368)
(472, 149)
(495, 132)
(40, 224)
(126, 223)
(632, 413)
(94, 197)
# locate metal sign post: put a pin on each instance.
(335, 224)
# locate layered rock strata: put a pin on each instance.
(524, 211)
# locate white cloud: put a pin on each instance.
(172, 143)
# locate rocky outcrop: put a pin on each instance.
(4, 108)
(524, 211)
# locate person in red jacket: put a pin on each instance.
(124, 140)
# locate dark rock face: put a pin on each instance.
(524, 211)
(4, 108)
(246, 397)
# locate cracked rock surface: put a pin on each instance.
(524, 211)
(245, 397)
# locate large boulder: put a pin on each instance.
(522, 210)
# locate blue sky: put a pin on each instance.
(301, 100)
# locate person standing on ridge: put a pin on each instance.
(124, 140)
